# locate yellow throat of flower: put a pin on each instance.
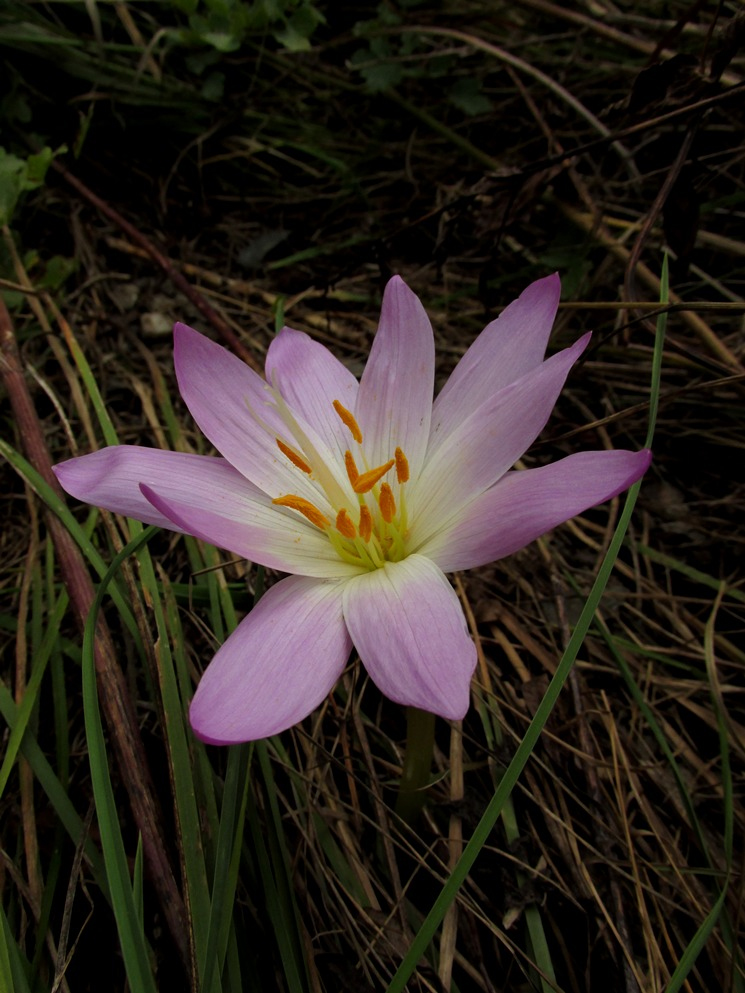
(367, 532)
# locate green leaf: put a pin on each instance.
(12, 177)
(19, 175)
(466, 95)
(291, 39)
(37, 166)
(382, 77)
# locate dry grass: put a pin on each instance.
(618, 834)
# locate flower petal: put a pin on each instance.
(242, 519)
(479, 451)
(524, 505)
(409, 629)
(278, 665)
(111, 478)
(394, 403)
(506, 349)
(221, 393)
(310, 378)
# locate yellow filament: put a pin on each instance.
(349, 421)
(351, 467)
(345, 524)
(367, 480)
(294, 457)
(402, 466)
(387, 503)
(366, 523)
(304, 507)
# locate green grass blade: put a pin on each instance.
(180, 758)
(55, 791)
(695, 946)
(227, 863)
(524, 750)
(132, 940)
(138, 883)
(45, 492)
(659, 341)
(522, 754)
(270, 853)
(695, 575)
(31, 692)
(12, 974)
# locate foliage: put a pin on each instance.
(287, 158)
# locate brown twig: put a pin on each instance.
(705, 334)
(115, 698)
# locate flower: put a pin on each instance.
(366, 493)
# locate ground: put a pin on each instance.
(239, 167)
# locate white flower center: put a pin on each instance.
(367, 532)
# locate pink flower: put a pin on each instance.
(366, 493)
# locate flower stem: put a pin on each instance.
(420, 743)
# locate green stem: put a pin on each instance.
(417, 768)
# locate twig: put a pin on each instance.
(694, 322)
(559, 91)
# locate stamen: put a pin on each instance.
(367, 480)
(304, 507)
(349, 421)
(402, 466)
(387, 503)
(323, 474)
(294, 457)
(345, 524)
(366, 523)
(351, 467)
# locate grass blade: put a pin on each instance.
(133, 944)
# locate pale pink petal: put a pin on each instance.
(506, 350)
(278, 665)
(225, 398)
(394, 403)
(408, 627)
(524, 505)
(479, 451)
(244, 520)
(111, 478)
(310, 378)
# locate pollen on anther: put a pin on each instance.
(366, 523)
(351, 467)
(387, 503)
(345, 524)
(304, 507)
(294, 457)
(402, 466)
(348, 419)
(368, 479)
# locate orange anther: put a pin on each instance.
(345, 524)
(366, 523)
(304, 507)
(294, 456)
(367, 480)
(351, 467)
(349, 421)
(387, 503)
(402, 466)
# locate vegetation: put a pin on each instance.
(243, 165)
